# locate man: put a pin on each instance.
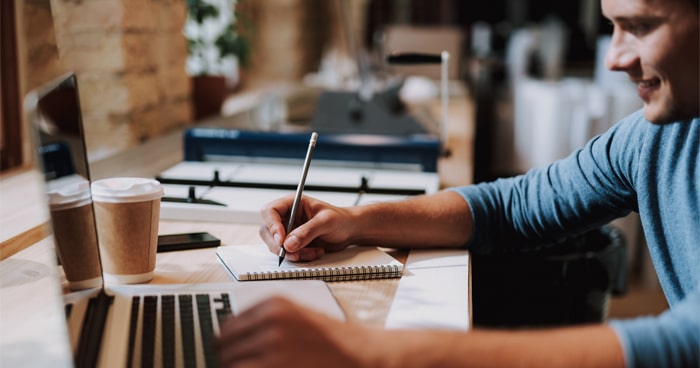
(648, 163)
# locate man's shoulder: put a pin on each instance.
(627, 132)
(635, 121)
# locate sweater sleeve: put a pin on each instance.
(589, 188)
(592, 186)
(671, 339)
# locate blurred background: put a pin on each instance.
(532, 70)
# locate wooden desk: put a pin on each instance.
(23, 217)
(28, 256)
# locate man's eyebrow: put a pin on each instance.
(641, 16)
(625, 19)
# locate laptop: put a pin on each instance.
(142, 325)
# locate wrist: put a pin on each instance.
(366, 224)
(380, 350)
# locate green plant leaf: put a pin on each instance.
(201, 10)
(231, 44)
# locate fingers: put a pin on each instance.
(279, 333)
(300, 254)
(272, 231)
(242, 336)
(328, 229)
(298, 243)
(252, 338)
(320, 225)
(274, 218)
(303, 234)
(270, 235)
(306, 254)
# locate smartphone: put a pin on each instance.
(172, 242)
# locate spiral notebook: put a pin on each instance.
(256, 262)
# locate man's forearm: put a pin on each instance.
(442, 219)
(588, 346)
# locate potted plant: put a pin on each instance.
(217, 50)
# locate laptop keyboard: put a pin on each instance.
(169, 329)
(173, 330)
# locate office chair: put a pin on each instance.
(567, 282)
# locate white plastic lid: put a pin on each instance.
(69, 195)
(120, 190)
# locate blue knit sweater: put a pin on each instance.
(635, 166)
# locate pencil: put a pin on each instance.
(300, 189)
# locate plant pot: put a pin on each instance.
(208, 94)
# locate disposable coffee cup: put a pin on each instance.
(74, 232)
(127, 212)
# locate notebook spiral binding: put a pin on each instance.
(331, 274)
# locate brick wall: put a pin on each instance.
(289, 38)
(129, 56)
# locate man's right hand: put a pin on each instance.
(321, 227)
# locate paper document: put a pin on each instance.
(433, 292)
(235, 192)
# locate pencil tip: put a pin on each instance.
(280, 261)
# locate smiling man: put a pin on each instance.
(657, 46)
(647, 163)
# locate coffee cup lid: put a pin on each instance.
(69, 194)
(126, 189)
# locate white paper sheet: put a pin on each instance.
(201, 170)
(242, 204)
(433, 293)
(429, 182)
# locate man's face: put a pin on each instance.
(657, 43)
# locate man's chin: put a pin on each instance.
(653, 115)
(665, 116)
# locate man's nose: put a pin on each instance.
(620, 55)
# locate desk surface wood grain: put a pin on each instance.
(23, 214)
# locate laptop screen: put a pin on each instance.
(56, 114)
(59, 121)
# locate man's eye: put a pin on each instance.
(638, 29)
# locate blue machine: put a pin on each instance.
(203, 144)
